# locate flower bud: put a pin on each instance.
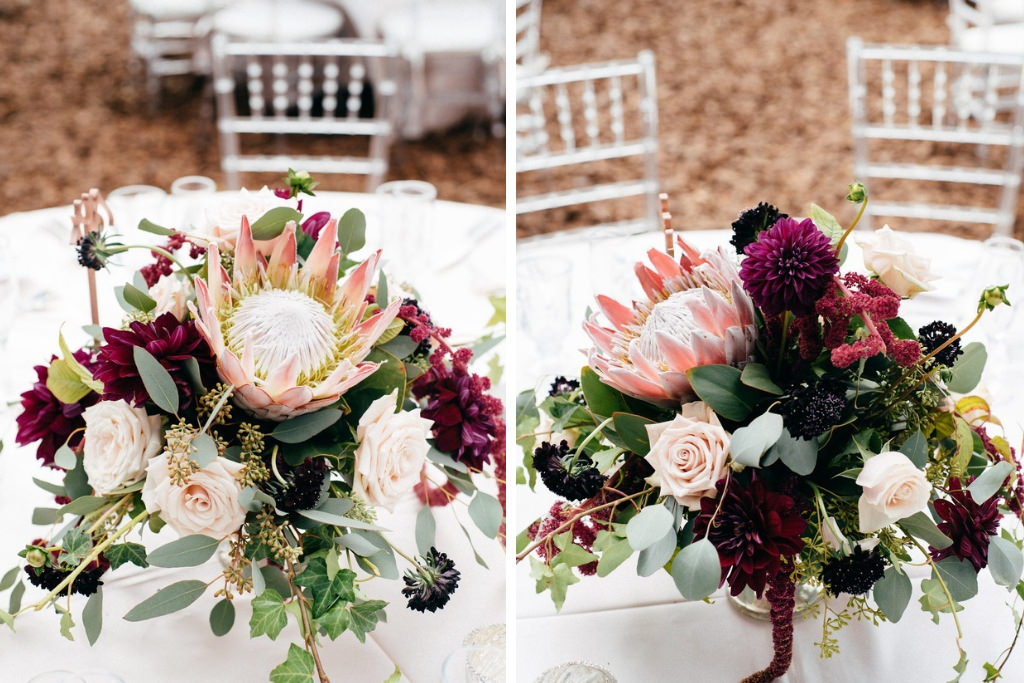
(992, 297)
(35, 557)
(857, 193)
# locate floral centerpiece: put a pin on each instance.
(267, 395)
(768, 420)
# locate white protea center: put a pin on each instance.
(695, 313)
(289, 339)
(279, 324)
(673, 317)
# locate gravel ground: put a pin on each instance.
(72, 118)
(752, 94)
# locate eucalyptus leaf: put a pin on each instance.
(426, 529)
(756, 375)
(921, 526)
(82, 506)
(1005, 561)
(632, 429)
(696, 570)
(357, 544)
(92, 616)
(45, 516)
(916, 449)
(967, 370)
(170, 599)
(749, 443)
(445, 460)
(892, 593)
(959, 576)
(401, 346)
(798, 454)
(65, 457)
(649, 526)
(654, 557)
(351, 231)
(138, 299)
(486, 513)
(304, 427)
(205, 449)
(146, 225)
(158, 382)
(188, 551)
(382, 289)
(271, 224)
(989, 481)
(720, 387)
(337, 520)
(222, 617)
(9, 578)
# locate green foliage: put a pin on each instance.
(169, 599)
(187, 551)
(298, 668)
(305, 427)
(122, 553)
(696, 570)
(632, 430)
(351, 231)
(92, 616)
(75, 547)
(649, 526)
(268, 615)
(271, 224)
(486, 513)
(222, 617)
(324, 590)
(364, 617)
(748, 444)
(158, 382)
(892, 593)
(721, 388)
(556, 579)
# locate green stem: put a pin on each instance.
(587, 440)
(158, 250)
(96, 552)
(785, 340)
(216, 409)
(842, 240)
(945, 589)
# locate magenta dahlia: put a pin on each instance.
(754, 529)
(44, 418)
(789, 267)
(172, 342)
(462, 411)
(969, 525)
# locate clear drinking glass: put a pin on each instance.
(575, 672)
(131, 203)
(406, 212)
(57, 677)
(1002, 263)
(544, 296)
(190, 196)
(481, 659)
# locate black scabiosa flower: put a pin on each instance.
(94, 250)
(855, 573)
(305, 486)
(430, 585)
(935, 334)
(49, 576)
(814, 409)
(751, 222)
(562, 385)
(577, 480)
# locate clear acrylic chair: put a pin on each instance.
(929, 139)
(339, 88)
(586, 145)
(529, 59)
(987, 25)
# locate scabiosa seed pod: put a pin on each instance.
(305, 486)
(935, 334)
(855, 573)
(815, 409)
(431, 584)
(577, 480)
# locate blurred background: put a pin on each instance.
(99, 94)
(752, 101)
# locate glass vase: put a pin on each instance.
(747, 602)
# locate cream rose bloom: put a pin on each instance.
(224, 220)
(207, 504)
(171, 295)
(688, 454)
(893, 260)
(392, 450)
(119, 441)
(894, 488)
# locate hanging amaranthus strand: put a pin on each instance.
(780, 594)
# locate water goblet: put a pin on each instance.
(406, 212)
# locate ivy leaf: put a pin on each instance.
(555, 579)
(122, 553)
(336, 620)
(298, 668)
(66, 624)
(616, 554)
(363, 617)
(75, 546)
(324, 590)
(268, 615)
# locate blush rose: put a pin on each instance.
(119, 441)
(893, 489)
(207, 504)
(171, 295)
(391, 453)
(891, 258)
(688, 454)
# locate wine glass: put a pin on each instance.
(190, 196)
(544, 296)
(1002, 263)
(406, 210)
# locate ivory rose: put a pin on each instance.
(688, 454)
(892, 259)
(392, 450)
(207, 504)
(224, 220)
(171, 295)
(893, 489)
(119, 441)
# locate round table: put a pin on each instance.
(641, 629)
(180, 646)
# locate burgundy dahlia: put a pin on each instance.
(754, 529)
(169, 340)
(462, 412)
(969, 525)
(789, 267)
(44, 418)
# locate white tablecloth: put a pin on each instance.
(180, 647)
(641, 629)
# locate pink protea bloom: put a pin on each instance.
(289, 339)
(696, 313)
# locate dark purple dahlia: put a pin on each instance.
(789, 267)
(754, 530)
(462, 412)
(431, 584)
(969, 525)
(169, 340)
(44, 418)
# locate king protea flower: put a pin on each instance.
(289, 339)
(696, 313)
